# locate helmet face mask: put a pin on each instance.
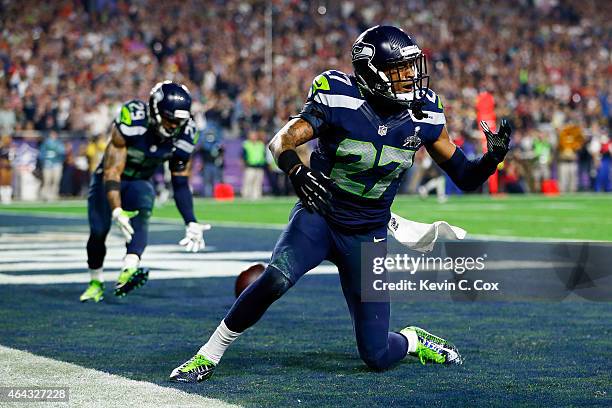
(389, 65)
(170, 107)
(171, 125)
(405, 79)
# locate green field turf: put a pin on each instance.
(580, 217)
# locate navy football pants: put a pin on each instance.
(306, 242)
(135, 195)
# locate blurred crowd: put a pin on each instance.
(543, 64)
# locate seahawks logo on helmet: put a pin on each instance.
(363, 50)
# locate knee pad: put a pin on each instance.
(256, 299)
(275, 282)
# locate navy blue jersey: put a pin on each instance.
(145, 148)
(364, 153)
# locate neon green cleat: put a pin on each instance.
(432, 348)
(196, 369)
(95, 291)
(130, 279)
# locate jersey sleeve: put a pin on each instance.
(434, 120)
(315, 111)
(132, 120)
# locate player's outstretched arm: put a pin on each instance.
(194, 232)
(470, 174)
(312, 187)
(114, 163)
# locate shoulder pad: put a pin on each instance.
(433, 108)
(335, 83)
(133, 118)
(188, 138)
(433, 103)
(336, 90)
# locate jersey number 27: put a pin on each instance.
(367, 154)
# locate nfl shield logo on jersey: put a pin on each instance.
(382, 130)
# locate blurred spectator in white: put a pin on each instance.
(542, 150)
(26, 184)
(7, 155)
(254, 159)
(417, 172)
(52, 155)
(436, 181)
(8, 119)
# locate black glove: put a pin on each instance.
(313, 188)
(417, 109)
(498, 143)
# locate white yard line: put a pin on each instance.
(153, 254)
(89, 387)
(208, 270)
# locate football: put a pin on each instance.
(247, 277)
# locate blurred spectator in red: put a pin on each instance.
(511, 177)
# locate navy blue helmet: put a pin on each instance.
(170, 107)
(381, 55)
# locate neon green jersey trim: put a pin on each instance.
(320, 83)
(126, 116)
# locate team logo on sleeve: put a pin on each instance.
(414, 141)
(320, 83)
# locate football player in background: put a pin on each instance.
(369, 126)
(143, 137)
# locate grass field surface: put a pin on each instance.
(579, 217)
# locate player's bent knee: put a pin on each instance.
(374, 363)
(374, 359)
(98, 236)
